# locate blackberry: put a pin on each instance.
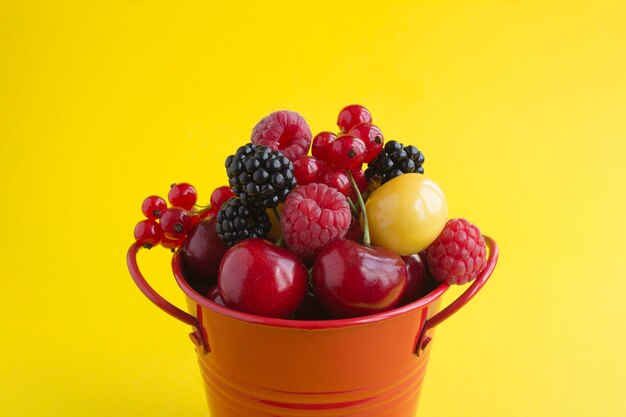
(260, 176)
(395, 159)
(236, 221)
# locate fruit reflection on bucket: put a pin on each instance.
(368, 366)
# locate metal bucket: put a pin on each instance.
(371, 366)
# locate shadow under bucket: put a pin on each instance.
(370, 366)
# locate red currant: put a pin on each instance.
(321, 144)
(182, 195)
(373, 138)
(359, 178)
(306, 169)
(153, 206)
(148, 233)
(336, 178)
(175, 223)
(220, 195)
(348, 152)
(172, 244)
(351, 116)
(208, 212)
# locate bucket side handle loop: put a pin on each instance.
(162, 303)
(481, 279)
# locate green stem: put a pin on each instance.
(281, 240)
(352, 207)
(366, 227)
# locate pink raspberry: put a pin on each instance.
(458, 254)
(314, 215)
(285, 131)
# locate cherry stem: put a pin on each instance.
(281, 240)
(352, 207)
(366, 227)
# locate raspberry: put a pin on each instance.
(314, 215)
(458, 254)
(285, 131)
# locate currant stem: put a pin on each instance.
(366, 228)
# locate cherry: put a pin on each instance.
(337, 179)
(311, 309)
(260, 278)
(419, 282)
(351, 116)
(153, 206)
(148, 233)
(306, 169)
(355, 232)
(348, 152)
(182, 195)
(201, 254)
(213, 294)
(175, 223)
(353, 280)
(219, 196)
(321, 144)
(373, 138)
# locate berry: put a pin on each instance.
(458, 254)
(171, 243)
(351, 116)
(322, 143)
(219, 196)
(336, 178)
(201, 254)
(182, 195)
(314, 215)
(153, 206)
(284, 131)
(406, 214)
(394, 160)
(373, 138)
(260, 176)
(306, 169)
(236, 221)
(175, 223)
(148, 233)
(258, 277)
(348, 152)
(352, 280)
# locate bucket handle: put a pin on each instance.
(481, 279)
(197, 335)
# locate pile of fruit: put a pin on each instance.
(315, 237)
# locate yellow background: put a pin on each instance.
(519, 106)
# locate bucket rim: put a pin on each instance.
(428, 299)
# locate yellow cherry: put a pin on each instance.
(406, 214)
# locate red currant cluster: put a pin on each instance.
(333, 156)
(169, 226)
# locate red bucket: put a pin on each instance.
(371, 366)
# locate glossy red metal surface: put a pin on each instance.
(357, 367)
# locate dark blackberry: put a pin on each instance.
(260, 176)
(236, 221)
(395, 159)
